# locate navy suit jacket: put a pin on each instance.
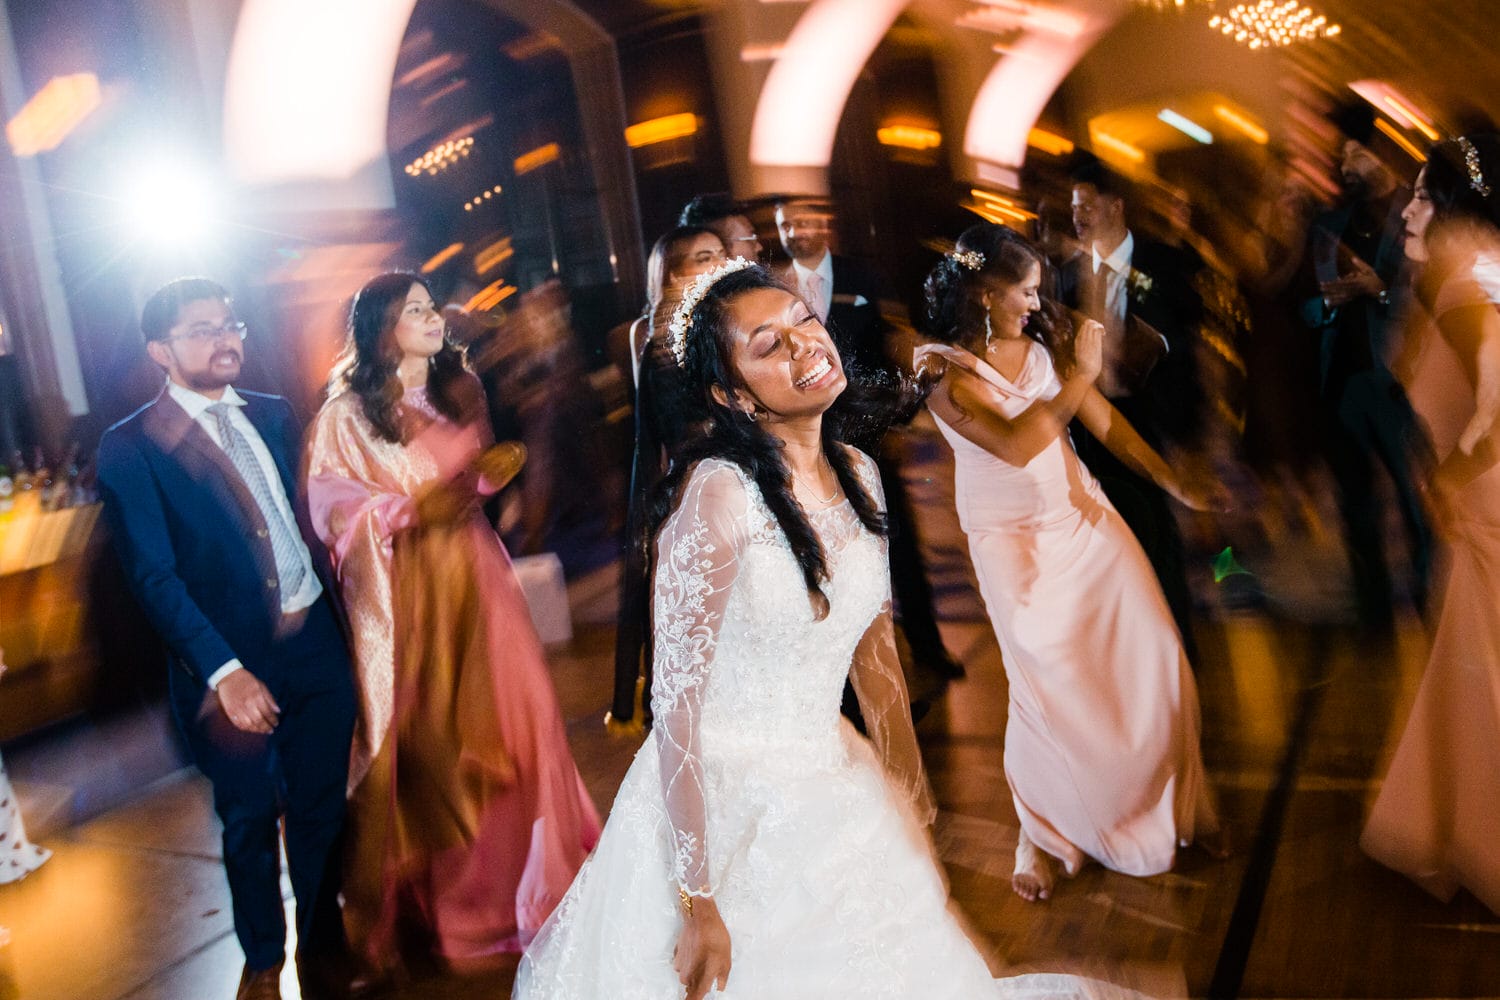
(191, 538)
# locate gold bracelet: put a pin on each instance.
(686, 899)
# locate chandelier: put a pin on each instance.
(1273, 24)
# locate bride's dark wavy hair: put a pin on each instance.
(954, 294)
(367, 364)
(710, 428)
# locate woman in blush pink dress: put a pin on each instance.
(467, 816)
(1101, 743)
(1437, 817)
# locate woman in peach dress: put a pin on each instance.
(1437, 817)
(1101, 740)
(467, 815)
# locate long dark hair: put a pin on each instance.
(367, 365)
(710, 428)
(954, 293)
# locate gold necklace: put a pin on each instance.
(822, 501)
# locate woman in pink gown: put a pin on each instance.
(1437, 817)
(468, 819)
(1101, 741)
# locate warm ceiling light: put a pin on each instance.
(1413, 119)
(1406, 144)
(1049, 142)
(661, 130)
(1119, 147)
(761, 53)
(539, 157)
(1273, 24)
(57, 109)
(481, 198)
(1172, 5)
(909, 137)
(1242, 124)
(440, 157)
(1186, 126)
(494, 255)
(442, 257)
(490, 296)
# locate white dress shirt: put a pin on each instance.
(819, 294)
(197, 406)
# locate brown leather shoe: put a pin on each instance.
(262, 985)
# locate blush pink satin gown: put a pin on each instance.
(468, 818)
(1101, 742)
(1437, 817)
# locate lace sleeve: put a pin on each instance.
(697, 561)
(880, 687)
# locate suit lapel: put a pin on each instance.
(189, 445)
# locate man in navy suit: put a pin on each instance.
(200, 492)
(1143, 294)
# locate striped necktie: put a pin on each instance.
(290, 567)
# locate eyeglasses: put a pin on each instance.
(208, 334)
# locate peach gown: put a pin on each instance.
(468, 819)
(1101, 742)
(1437, 817)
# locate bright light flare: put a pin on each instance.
(1186, 126)
(168, 202)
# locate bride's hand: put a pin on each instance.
(702, 955)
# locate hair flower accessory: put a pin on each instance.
(1471, 160)
(677, 329)
(973, 260)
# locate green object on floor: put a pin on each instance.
(1226, 566)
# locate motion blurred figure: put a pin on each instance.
(467, 815)
(200, 492)
(1355, 258)
(725, 216)
(1437, 818)
(1142, 293)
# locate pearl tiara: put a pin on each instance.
(681, 316)
(1471, 160)
(971, 259)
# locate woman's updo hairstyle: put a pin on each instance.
(1463, 179)
(955, 290)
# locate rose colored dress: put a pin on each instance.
(1437, 817)
(468, 819)
(1101, 741)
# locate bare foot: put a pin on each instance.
(1035, 873)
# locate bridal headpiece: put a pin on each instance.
(1471, 160)
(681, 316)
(973, 260)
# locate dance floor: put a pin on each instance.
(1298, 714)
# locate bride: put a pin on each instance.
(758, 846)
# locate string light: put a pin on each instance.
(1172, 5)
(481, 198)
(1273, 24)
(440, 157)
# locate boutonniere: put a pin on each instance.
(1140, 284)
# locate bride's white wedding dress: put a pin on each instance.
(752, 787)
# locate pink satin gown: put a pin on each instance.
(1437, 817)
(468, 819)
(1101, 741)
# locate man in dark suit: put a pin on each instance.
(200, 493)
(844, 292)
(1142, 292)
(1356, 258)
(846, 296)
